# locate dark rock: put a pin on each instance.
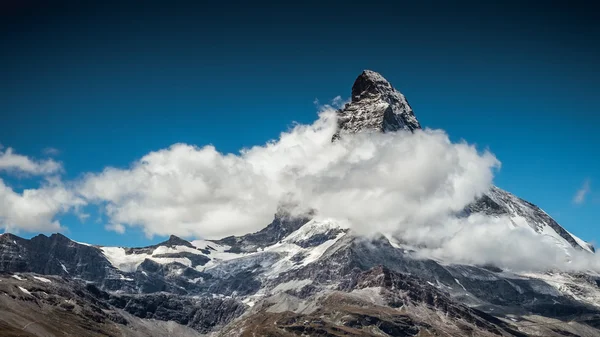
(283, 224)
(197, 260)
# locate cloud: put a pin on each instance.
(411, 185)
(51, 151)
(20, 164)
(582, 193)
(481, 240)
(375, 181)
(338, 102)
(35, 210)
(118, 228)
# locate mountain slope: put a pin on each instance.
(525, 214)
(299, 275)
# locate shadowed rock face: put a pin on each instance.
(201, 314)
(59, 305)
(54, 255)
(282, 225)
(172, 242)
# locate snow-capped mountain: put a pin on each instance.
(525, 214)
(299, 276)
(377, 105)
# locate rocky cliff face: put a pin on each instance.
(298, 276)
(376, 106)
(54, 255)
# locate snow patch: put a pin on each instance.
(122, 261)
(312, 228)
(217, 253)
(130, 262)
(458, 282)
(25, 291)
(566, 284)
(125, 278)
(249, 301)
(18, 277)
(580, 242)
(42, 279)
(318, 251)
(393, 242)
(291, 285)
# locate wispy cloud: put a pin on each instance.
(17, 163)
(582, 193)
(51, 151)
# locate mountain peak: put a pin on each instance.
(375, 106)
(369, 82)
(175, 241)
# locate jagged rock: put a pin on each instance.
(375, 106)
(172, 242)
(283, 224)
(201, 314)
(54, 255)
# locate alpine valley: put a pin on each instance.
(299, 276)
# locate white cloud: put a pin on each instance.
(13, 162)
(338, 102)
(582, 193)
(480, 239)
(118, 228)
(35, 210)
(408, 184)
(375, 181)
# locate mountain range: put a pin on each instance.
(299, 276)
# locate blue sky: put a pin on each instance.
(106, 85)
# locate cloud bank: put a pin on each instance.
(375, 181)
(35, 210)
(484, 240)
(411, 185)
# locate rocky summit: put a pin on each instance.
(299, 276)
(375, 106)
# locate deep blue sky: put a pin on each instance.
(107, 84)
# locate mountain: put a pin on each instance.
(299, 276)
(377, 106)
